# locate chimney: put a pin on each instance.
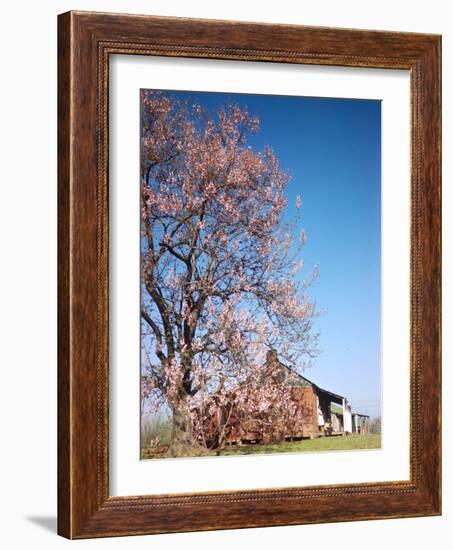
(271, 358)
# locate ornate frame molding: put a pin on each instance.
(86, 40)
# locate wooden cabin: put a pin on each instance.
(318, 412)
(360, 423)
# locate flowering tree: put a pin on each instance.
(220, 284)
(263, 408)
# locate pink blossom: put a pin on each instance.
(219, 266)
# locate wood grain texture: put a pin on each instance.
(85, 42)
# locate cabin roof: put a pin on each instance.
(334, 397)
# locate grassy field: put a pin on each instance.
(336, 443)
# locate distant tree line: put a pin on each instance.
(375, 427)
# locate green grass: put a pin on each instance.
(155, 431)
(335, 443)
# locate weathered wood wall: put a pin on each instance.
(229, 426)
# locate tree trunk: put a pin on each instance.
(183, 442)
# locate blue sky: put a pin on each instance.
(332, 148)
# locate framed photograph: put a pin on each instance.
(249, 275)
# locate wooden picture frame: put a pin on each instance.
(85, 41)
